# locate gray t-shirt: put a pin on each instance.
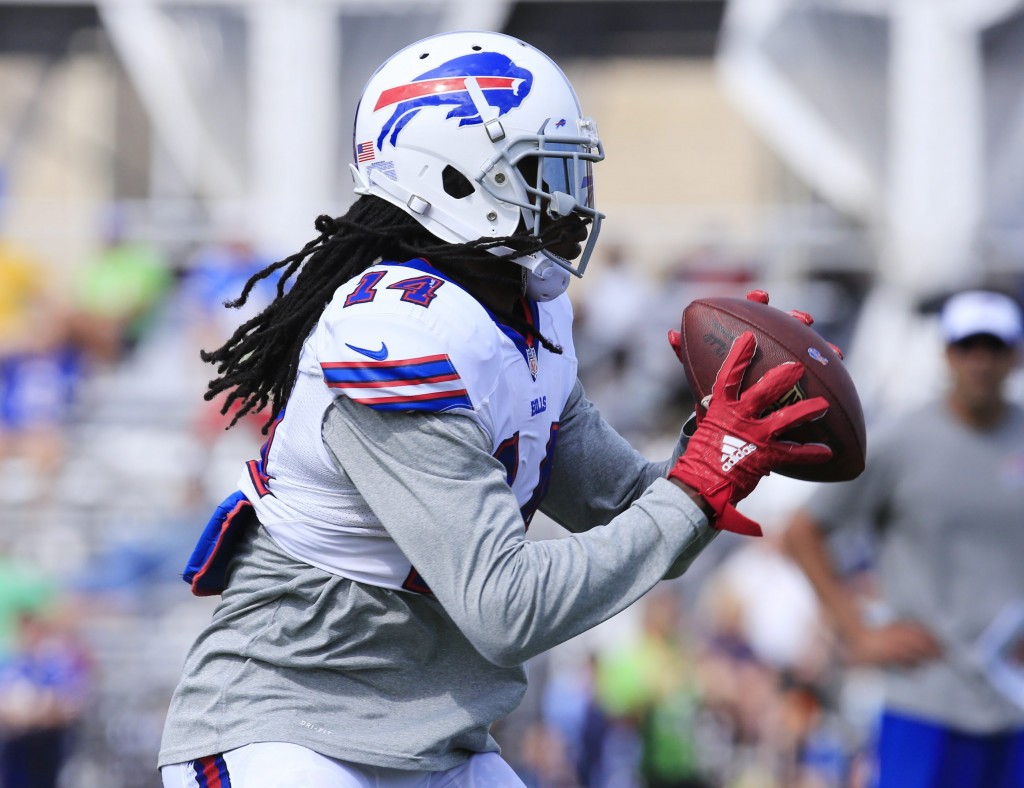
(396, 679)
(947, 505)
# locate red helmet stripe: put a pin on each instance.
(427, 87)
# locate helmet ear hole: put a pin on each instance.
(455, 183)
(527, 167)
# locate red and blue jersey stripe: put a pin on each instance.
(212, 772)
(425, 383)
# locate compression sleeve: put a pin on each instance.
(596, 473)
(445, 501)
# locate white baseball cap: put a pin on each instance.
(981, 312)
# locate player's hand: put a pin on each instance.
(902, 643)
(736, 443)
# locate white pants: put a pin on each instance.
(282, 765)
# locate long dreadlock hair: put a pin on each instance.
(258, 364)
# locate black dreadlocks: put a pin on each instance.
(257, 365)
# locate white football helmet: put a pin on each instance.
(448, 130)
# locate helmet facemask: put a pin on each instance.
(556, 197)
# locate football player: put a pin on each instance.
(378, 593)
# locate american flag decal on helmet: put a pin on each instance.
(364, 152)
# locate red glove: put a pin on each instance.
(735, 446)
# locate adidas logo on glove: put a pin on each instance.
(734, 450)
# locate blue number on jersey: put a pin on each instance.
(508, 455)
(419, 290)
(364, 292)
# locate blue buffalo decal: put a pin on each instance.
(504, 86)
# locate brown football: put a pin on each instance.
(709, 327)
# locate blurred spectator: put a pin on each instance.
(116, 294)
(543, 760)
(216, 275)
(944, 493)
(783, 628)
(768, 715)
(39, 373)
(37, 393)
(572, 709)
(740, 697)
(614, 324)
(614, 305)
(650, 686)
(22, 286)
(44, 686)
(23, 588)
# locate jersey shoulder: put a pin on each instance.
(402, 337)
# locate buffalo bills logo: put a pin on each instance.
(503, 84)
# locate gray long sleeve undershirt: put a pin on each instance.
(409, 681)
(443, 498)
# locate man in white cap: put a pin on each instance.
(943, 492)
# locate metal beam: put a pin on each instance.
(139, 33)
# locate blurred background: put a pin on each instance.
(859, 159)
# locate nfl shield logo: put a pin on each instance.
(531, 357)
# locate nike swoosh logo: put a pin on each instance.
(376, 355)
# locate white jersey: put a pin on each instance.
(403, 337)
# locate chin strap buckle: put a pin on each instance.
(494, 129)
(418, 205)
